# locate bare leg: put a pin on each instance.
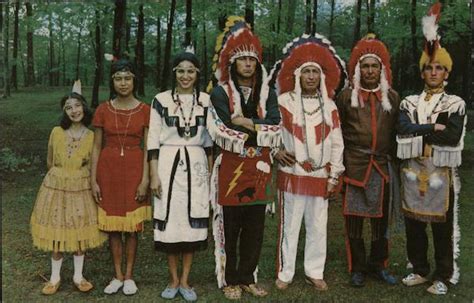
(115, 240)
(131, 247)
(173, 270)
(187, 263)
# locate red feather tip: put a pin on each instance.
(435, 9)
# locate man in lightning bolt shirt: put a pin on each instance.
(243, 103)
(311, 153)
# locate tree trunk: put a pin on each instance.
(204, 53)
(308, 17)
(14, 77)
(249, 13)
(78, 57)
(140, 52)
(331, 19)
(169, 37)
(98, 60)
(30, 71)
(51, 65)
(119, 35)
(357, 22)
(127, 35)
(290, 19)
(158, 52)
(315, 17)
(471, 87)
(414, 44)
(6, 73)
(223, 13)
(63, 50)
(371, 16)
(189, 23)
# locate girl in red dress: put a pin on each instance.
(119, 178)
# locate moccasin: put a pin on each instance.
(414, 279)
(50, 288)
(129, 287)
(169, 293)
(438, 288)
(318, 284)
(113, 287)
(84, 285)
(254, 290)
(189, 295)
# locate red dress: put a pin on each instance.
(120, 167)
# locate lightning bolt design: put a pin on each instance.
(238, 171)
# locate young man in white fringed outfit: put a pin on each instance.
(430, 141)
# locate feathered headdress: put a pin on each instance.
(433, 50)
(77, 87)
(308, 50)
(237, 40)
(369, 46)
(317, 49)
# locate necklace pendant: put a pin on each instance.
(187, 131)
(121, 151)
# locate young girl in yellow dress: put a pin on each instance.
(64, 217)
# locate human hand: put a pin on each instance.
(331, 190)
(439, 127)
(96, 192)
(155, 186)
(244, 122)
(140, 195)
(285, 158)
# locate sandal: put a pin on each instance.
(254, 290)
(232, 292)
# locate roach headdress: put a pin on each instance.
(433, 52)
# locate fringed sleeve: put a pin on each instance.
(268, 135)
(226, 138)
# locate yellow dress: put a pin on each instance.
(64, 217)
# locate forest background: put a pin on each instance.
(45, 45)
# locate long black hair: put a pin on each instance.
(123, 65)
(187, 56)
(257, 87)
(66, 122)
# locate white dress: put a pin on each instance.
(181, 216)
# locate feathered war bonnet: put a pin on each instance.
(433, 52)
(303, 51)
(237, 40)
(369, 46)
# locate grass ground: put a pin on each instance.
(26, 120)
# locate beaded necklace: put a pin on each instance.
(187, 120)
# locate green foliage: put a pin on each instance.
(11, 162)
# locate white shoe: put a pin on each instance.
(113, 286)
(129, 287)
(438, 288)
(413, 279)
